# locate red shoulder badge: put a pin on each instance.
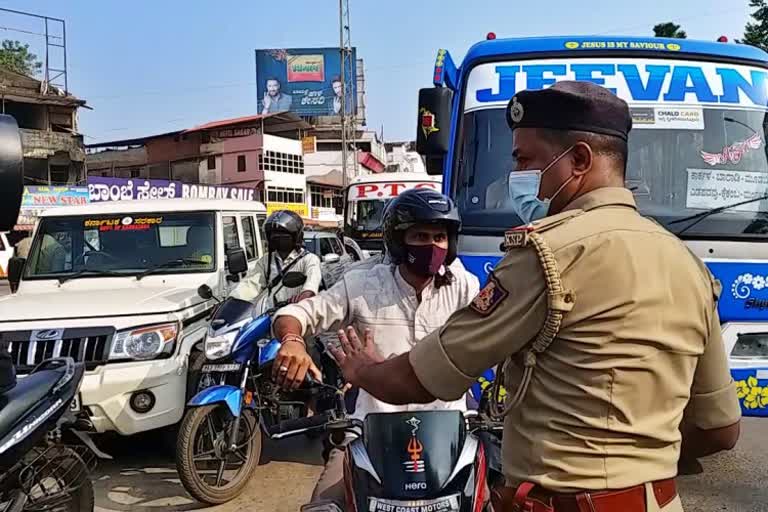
(492, 294)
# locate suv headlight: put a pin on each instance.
(219, 346)
(144, 342)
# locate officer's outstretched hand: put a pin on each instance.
(355, 355)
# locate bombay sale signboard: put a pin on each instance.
(384, 190)
(127, 189)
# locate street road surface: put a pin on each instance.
(143, 478)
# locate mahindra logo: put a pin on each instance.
(47, 334)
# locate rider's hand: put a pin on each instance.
(292, 364)
(303, 295)
(355, 355)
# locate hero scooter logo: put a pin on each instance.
(415, 463)
(46, 335)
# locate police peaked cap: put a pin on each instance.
(572, 106)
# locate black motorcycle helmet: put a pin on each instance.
(285, 221)
(419, 206)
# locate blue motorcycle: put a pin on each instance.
(220, 439)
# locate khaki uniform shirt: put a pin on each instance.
(641, 340)
(381, 300)
(252, 286)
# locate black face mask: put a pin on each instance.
(281, 243)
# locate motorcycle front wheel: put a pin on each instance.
(209, 471)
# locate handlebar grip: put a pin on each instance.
(288, 426)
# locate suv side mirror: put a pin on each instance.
(331, 257)
(237, 261)
(433, 131)
(205, 292)
(15, 270)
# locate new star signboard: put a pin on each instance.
(305, 81)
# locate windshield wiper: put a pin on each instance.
(93, 271)
(703, 215)
(170, 264)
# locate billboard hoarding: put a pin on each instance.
(305, 81)
(299, 208)
(124, 189)
(39, 198)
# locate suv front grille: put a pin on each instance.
(27, 350)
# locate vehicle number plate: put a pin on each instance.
(209, 368)
(447, 504)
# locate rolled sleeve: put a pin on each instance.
(714, 402)
(323, 312)
(435, 370)
(313, 273)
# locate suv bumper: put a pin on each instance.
(106, 393)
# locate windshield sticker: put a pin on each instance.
(621, 45)
(126, 223)
(711, 188)
(639, 81)
(668, 118)
(733, 154)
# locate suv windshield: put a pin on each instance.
(123, 244)
(707, 158)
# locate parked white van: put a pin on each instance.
(114, 285)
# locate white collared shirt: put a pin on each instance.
(381, 300)
(309, 265)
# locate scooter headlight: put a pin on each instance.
(220, 345)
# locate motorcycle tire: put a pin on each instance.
(196, 486)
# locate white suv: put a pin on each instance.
(114, 285)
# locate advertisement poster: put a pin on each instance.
(39, 198)
(299, 208)
(305, 81)
(128, 189)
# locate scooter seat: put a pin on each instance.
(19, 400)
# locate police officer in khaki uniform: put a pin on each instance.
(606, 327)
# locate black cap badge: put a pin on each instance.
(516, 111)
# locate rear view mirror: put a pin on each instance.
(331, 258)
(15, 269)
(433, 131)
(237, 261)
(294, 279)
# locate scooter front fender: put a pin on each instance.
(229, 395)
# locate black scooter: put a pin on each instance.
(421, 461)
(44, 462)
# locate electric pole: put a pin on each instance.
(348, 121)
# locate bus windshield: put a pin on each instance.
(367, 216)
(683, 159)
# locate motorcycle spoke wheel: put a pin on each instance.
(209, 471)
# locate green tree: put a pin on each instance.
(756, 32)
(17, 57)
(669, 29)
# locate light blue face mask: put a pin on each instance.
(524, 189)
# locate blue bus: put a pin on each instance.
(697, 156)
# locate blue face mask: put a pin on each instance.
(524, 189)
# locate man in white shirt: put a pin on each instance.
(284, 230)
(399, 302)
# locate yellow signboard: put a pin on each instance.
(308, 144)
(299, 208)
